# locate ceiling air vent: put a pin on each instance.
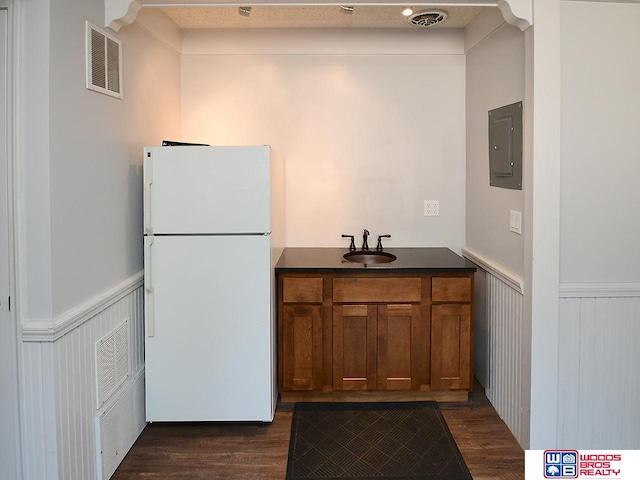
(427, 19)
(104, 62)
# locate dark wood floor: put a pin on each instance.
(259, 451)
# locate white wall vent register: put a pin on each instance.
(113, 363)
(104, 62)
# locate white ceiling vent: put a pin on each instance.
(427, 19)
(104, 62)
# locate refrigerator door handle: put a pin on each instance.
(148, 288)
(148, 180)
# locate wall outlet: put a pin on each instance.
(515, 222)
(431, 208)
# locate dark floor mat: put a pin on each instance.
(372, 441)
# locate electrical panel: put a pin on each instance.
(505, 146)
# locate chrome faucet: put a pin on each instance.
(365, 245)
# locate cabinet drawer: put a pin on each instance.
(376, 290)
(302, 290)
(451, 289)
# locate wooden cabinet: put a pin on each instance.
(399, 347)
(354, 347)
(300, 326)
(301, 348)
(451, 333)
(451, 347)
(376, 336)
(376, 347)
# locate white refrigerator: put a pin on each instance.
(213, 232)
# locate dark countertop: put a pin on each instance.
(409, 259)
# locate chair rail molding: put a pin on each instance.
(599, 290)
(71, 319)
(508, 277)
(119, 13)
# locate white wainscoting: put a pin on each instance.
(505, 349)
(598, 364)
(498, 332)
(59, 378)
(38, 415)
(599, 361)
(118, 426)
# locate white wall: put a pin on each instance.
(599, 327)
(495, 77)
(80, 167)
(80, 221)
(33, 168)
(600, 143)
(370, 123)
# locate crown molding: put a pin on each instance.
(118, 13)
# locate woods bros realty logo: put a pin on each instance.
(571, 464)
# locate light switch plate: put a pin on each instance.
(515, 221)
(431, 208)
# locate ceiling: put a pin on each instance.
(262, 16)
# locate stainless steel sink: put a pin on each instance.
(368, 257)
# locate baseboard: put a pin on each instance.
(73, 318)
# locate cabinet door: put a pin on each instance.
(399, 350)
(354, 347)
(301, 348)
(451, 347)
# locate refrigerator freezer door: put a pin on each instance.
(210, 358)
(207, 190)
